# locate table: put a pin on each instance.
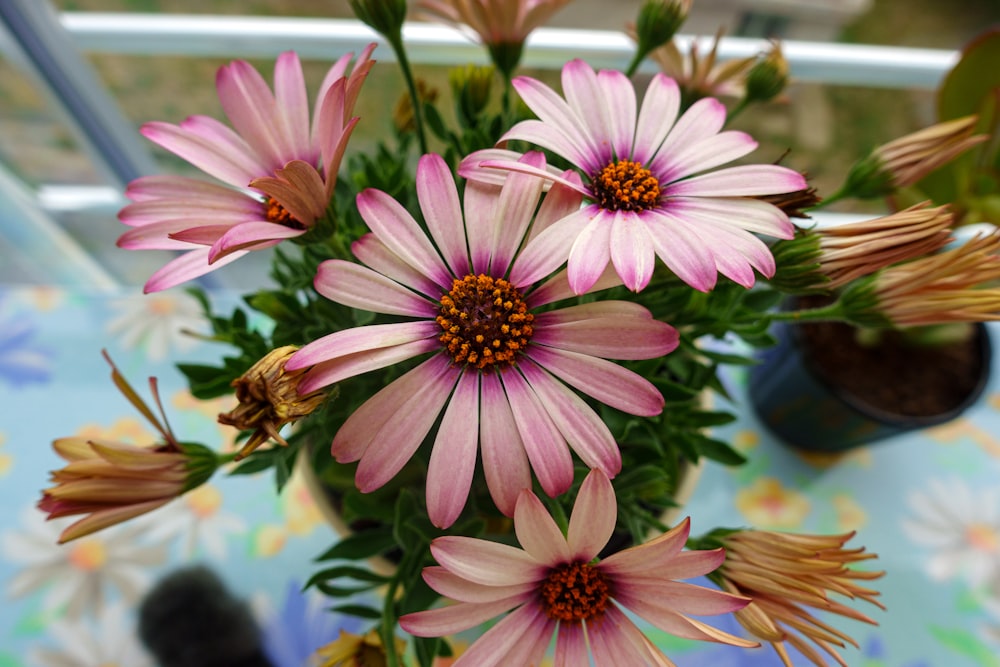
(928, 503)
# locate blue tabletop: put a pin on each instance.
(928, 503)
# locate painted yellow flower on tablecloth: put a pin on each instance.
(268, 540)
(956, 430)
(850, 514)
(746, 440)
(126, 429)
(302, 515)
(210, 408)
(768, 504)
(6, 460)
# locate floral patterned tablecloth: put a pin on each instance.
(927, 503)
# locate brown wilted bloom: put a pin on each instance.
(350, 650)
(501, 25)
(949, 286)
(402, 114)
(112, 482)
(794, 204)
(268, 399)
(857, 249)
(788, 575)
(700, 77)
(904, 161)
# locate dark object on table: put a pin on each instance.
(190, 619)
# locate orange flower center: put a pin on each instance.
(626, 186)
(485, 322)
(983, 538)
(279, 215)
(575, 592)
(88, 555)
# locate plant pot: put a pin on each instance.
(800, 388)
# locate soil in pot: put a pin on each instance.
(895, 375)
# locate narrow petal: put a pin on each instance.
(544, 444)
(359, 339)
(706, 154)
(400, 436)
(591, 251)
(631, 250)
(538, 534)
(359, 287)
(751, 215)
(369, 250)
(453, 618)
(558, 288)
(677, 597)
(659, 550)
(397, 229)
(657, 114)
(218, 161)
(250, 106)
(250, 235)
(592, 522)
(574, 145)
(357, 432)
(442, 211)
(189, 265)
(749, 180)
(485, 562)
(682, 250)
(326, 373)
(703, 119)
(505, 463)
(550, 249)
(559, 202)
(571, 646)
(453, 458)
(292, 102)
(584, 430)
(514, 211)
(615, 91)
(615, 336)
(617, 639)
(299, 188)
(604, 380)
(684, 627)
(520, 638)
(452, 586)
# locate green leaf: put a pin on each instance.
(762, 300)
(720, 451)
(973, 78)
(346, 572)
(965, 643)
(357, 610)
(363, 544)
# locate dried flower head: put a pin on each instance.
(699, 76)
(268, 399)
(112, 482)
(350, 650)
(501, 25)
(904, 161)
(787, 574)
(830, 257)
(403, 118)
(950, 286)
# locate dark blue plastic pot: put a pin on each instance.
(808, 413)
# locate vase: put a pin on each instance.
(804, 397)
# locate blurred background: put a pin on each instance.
(824, 126)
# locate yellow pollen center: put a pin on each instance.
(88, 555)
(575, 592)
(279, 215)
(626, 186)
(983, 538)
(485, 322)
(204, 501)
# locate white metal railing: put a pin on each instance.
(248, 36)
(326, 39)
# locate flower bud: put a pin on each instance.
(785, 575)
(383, 16)
(768, 76)
(658, 21)
(904, 161)
(268, 399)
(471, 86)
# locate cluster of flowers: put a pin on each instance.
(479, 302)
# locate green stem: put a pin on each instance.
(737, 110)
(396, 42)
(826, 201)
(388, 629)
(637, 59)
(831, 312)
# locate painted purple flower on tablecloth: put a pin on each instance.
(303, 624)
(22, 359)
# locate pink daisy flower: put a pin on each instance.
(279, 171)
(498, 368)
(554, 585)
(648, 180)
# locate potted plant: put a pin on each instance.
(490, 338)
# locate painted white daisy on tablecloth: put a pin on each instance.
(107, 640)
(961, 526)
(80, 576)
(157, 323)
(196, 522)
